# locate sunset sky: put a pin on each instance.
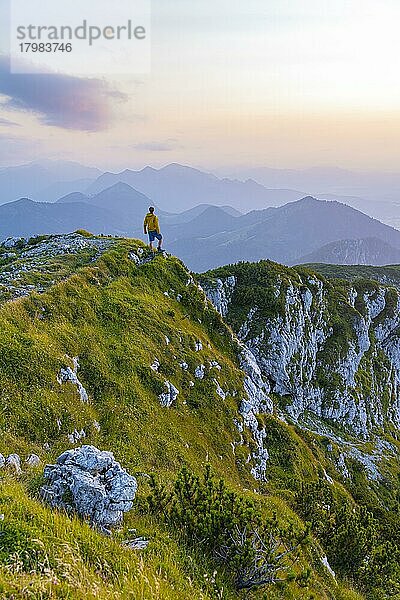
(280, 83)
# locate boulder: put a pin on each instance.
(91, 483)
(76, 436)
(139, 543)
(33, 460)
(14, 462)
(156, 365)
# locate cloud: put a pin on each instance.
(59, 100)
(166, 146)
(7, 123)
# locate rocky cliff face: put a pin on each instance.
(330, 350)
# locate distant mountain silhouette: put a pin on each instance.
(123, 199)
(210, 221)
(209, 236)
(126, 204)
(386, 211)
(192, 213)
(118, 210)
(284, 234)
(44, 180)
(26, 218)
(73, 197)
(61, 188)
(175, 188)
(319, 181)
(369, 251)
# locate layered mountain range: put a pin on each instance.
(206, 236)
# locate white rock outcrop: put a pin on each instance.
(12, 242)
(33, 460)
(200, 372)
(156, 365)
(67, 374)
(168, 397)
(295, 350)
(92, 484)
(76, 436)
(220, 293)
(13, 461)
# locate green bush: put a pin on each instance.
(352, 539)
(228, 529)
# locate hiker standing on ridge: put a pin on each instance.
(152, 227)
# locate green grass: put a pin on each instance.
(114, 316)
(44, 554)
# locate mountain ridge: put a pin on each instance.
(157, 376)
(284, 234)
(207, 236)
(366, 251)
(177, 187)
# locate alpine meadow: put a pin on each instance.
(259, 424)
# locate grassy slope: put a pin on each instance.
(115, 317)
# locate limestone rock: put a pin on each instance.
(12, 242)
(92, 484)
(33, 460)
(156, 365)
(220, 293)
(219, 389)
(200, 372)
(14, 462)
(76, 436)
(169, 397)
(71, 375)
(34, 257)
(215, 365)
(139, 543)
(328, 567)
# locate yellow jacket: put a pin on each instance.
(151, 223)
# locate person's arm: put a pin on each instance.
(145, 225)
(157, 225)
